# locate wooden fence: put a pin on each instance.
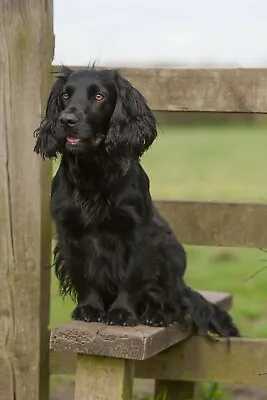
(26, 52)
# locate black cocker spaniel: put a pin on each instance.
(115, 255)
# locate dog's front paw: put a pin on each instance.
(121, 316)
(87, 313)
(159, 318)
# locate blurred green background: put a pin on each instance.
(205, 159)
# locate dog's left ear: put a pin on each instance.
(46, 142)
(133, 126)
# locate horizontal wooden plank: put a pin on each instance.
(137, 343)
(210, 223)
(197, 359)
(217, 223)
(194, 359)
(200, 89)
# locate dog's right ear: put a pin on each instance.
(46, 142)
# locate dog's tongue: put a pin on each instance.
(72, 140)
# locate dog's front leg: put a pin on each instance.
(122, 311)
(90, 308)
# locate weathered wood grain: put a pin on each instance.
(136, 343)
(217, 223)
(199, 360)
(200, 89)
(194, 359)
(102, 378)
(26, 51)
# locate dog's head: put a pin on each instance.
(95, 111)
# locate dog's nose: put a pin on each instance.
(68, 119)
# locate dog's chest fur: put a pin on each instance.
(89, 203)
(95, 225)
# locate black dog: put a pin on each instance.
(115, 255)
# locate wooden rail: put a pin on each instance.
(195, 359)
(209, 223)
(200, 89)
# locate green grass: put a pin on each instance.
(220, 163)
(209, 163)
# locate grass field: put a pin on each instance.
(225, 163)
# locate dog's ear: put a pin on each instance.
(133, 126)
(46, 143)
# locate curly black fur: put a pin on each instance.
(115, 255)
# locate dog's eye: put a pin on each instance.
(65, 96)
(99, 97)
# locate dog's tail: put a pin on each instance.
(208, 317)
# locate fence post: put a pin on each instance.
(26, 51)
